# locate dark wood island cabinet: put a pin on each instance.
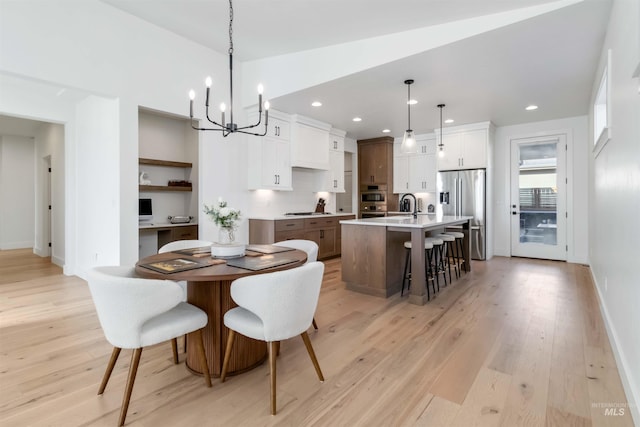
(323, 229)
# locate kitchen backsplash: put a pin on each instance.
(303, 198)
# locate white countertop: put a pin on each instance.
(279, 217)
(408, 221)
(148, 225)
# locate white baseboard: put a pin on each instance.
(16, 245)
(57, 261)
(624, 367)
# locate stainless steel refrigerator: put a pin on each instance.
(464, 193)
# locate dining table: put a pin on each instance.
(209, 282)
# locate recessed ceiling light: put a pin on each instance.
(531, 107)
(316, 104)
(412, 102)
(357, 119)
(449, 121)
(386, 130)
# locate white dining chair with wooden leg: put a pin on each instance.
(178, 245)
(274, 307)
(308, 246)
(136, 313)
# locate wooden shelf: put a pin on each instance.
(155, 162)
(149, 188)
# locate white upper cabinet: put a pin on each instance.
(277, 128)
(309, 143)
(416, 172)
(333, 179)
(465, 147)
(336, 140)
(269, 157)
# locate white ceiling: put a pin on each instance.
(549, 60)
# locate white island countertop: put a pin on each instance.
(312, 215)
(408, 221)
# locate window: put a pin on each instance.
(602, 109)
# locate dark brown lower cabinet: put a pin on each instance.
(171, 234)
(324, 230)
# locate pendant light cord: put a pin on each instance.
(409, 105)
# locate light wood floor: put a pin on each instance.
(514, 343)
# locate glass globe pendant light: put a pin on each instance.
(408, 145)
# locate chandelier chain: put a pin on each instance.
(230, 27)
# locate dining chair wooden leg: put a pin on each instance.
(315, 325)
(272, 374)
(203, 356)
(107, 374)
(312, 354)
(133, 370)
(227, 354)
(174, 348)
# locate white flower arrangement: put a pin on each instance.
(222, 215)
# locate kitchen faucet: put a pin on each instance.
(415, 203)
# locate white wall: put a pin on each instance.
(49, 53)
(614, 189)
(17, 192)
(577, 207)
(98, 198)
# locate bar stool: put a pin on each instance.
(459, 247)
(438, 266)
(428, 247)
(449, 243)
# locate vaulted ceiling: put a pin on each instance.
(549, 60)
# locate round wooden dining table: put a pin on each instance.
(209, 288)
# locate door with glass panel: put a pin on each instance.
(538, 197)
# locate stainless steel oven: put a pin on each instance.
(373, 201)
(372, 197)
(372, 214)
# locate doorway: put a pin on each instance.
(46, 207)
(538, 197)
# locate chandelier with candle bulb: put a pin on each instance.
(223, 126)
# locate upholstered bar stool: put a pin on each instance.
(428, 247)
(459, 249)
(438, 266)
(449, 242)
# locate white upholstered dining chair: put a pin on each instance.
(308, 246)
(179, 245)
(274, 307)
(136, 313)
(183, 244)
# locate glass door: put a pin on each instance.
(538, 197)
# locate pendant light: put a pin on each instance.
(409, 145)
(441, 143)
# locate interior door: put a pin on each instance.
(538, 197)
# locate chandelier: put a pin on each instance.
(223, 126)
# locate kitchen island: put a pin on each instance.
(373, 253)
